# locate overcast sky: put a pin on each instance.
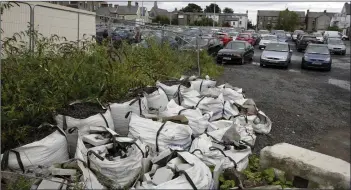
(252, 7)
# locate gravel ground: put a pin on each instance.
(308, 108)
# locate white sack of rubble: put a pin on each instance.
(94, 120)
(255, 117)
(202, 84)
(172, 92)
(212, 157)
(228, 93)
(199, 174)
(47, 151)
(122, 171)
(119, 111)
(156, 100)
(197, 122)
(226, 130)
(171, 135)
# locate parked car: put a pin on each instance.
(263, 32)
(281, 37)
(266, 40)
(345, 37)
(276, 32)
(319, 37)
(250, 31)
(233, 35)
(336, 46)
(299, 35)
(331, 34)
(246, 37)
(257, 38)
(236, 52)
(317, 56)
(224, 37)
(304, 41)
(288, 36)
(277, 54)
(123, 35)
(211, 45)
(296, 32)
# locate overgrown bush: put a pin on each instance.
(37, 84)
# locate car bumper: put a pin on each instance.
(233, 59)
(274, 63)
(311, 64)
(261, 46)
(337, 51)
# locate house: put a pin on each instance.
(129, 12)
(155, 11)
(267, 19)
(236, 20)
(342, 20)
(318, 20)
(105, 11)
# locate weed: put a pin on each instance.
(21, 183)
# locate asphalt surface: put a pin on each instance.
(308, 108)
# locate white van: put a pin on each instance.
(331, 34)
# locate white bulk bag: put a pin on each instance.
(202, 84)
(160, 136)
(123, 171)
(94, 120)
(197, 122)
(157, 100)
(259, 122)
(199, 174)
(228, 93)
(172, 92)
(201, 147)
(45, 152)
(119, 111)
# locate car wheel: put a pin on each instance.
(343, 53)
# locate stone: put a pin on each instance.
(313, 166)
(147, 178)
(45, 184)
(162, 175)
(154, 167)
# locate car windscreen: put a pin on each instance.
(243, 36)
(317, 49)
(235, 46)
(298, 32)
(308, 38)
(335, 41)
(277, 47)
(269, 37)
(200, 42)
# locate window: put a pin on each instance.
(240, 22)
(269, 18)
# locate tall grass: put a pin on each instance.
(36, 84)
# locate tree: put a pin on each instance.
(205, 22)
(161, 19)
(175, 21)
(192, 7)
(211, 8)
(288, 20)
(333, 28)
(228, 10)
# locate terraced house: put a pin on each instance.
(342, 19)
(318, 20)
(267, 19)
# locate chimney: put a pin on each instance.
(110, 5)
(247, 11)
(155, 4)
(116, 6)
(136, 4)
(129, 3)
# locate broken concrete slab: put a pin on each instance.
(162, 175)
(59, 171)
(147, 178)
(45, 184)
(313, 166)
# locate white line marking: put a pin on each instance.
(255, 63)
(340, 83)
(294, 71)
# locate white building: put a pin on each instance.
(342, 20)
(236, 20)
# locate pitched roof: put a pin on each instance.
(276, 13)
(318, 14)
(105, 10)
(158, 11)
(127, 10)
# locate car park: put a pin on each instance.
(336, 46)
(304, 40)
(236, 52)
(246, 37)
(266, 40)
(295, 34)
(276, 54)
(223, 37)
(317, 56)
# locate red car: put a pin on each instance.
(224, 37)
(246, 37)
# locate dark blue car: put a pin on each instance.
(317, 56)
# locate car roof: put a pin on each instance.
(324, 45)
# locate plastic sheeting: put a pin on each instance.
(160, 136)
(67, 122)
(45, 152)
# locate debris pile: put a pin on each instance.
(167, 136)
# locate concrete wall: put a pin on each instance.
(322, 22)
(49, 21)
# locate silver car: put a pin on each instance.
(336, 46)
(277, 54)
(266, 40)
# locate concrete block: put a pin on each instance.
(45, 184)
(313, 166)
(218, 170)
(59, 171)
(154, 167)
(162, 175)
(147, 178)
(95, 139)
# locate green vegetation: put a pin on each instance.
(161, 19)
(37, 84)
(20, 183)
(334, 28)
(288, 21)
(205, 22)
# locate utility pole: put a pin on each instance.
(214, 13)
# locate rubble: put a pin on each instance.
(166, 137)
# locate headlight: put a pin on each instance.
(263, 57)
(237, 54)
(328, 59)
(284, 58)
(305, 57)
